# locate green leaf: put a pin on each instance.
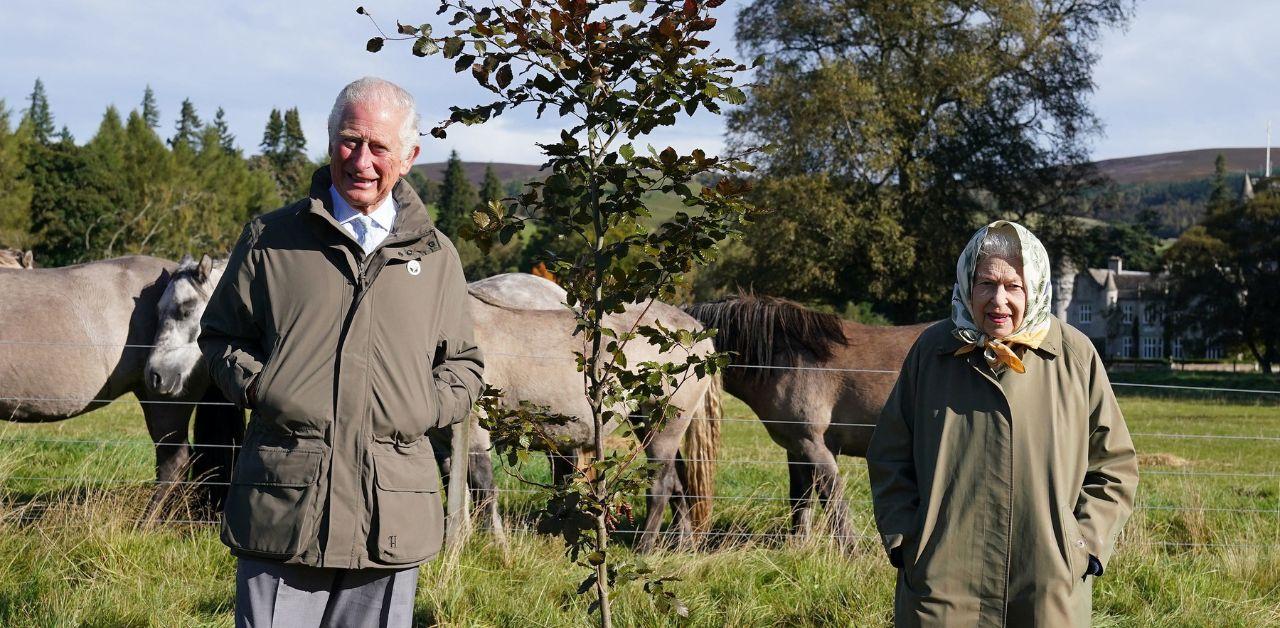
(425, 46)
(627, 151)
(734, 96)
(637, 6)
(452, 46)
(463, 63)
(595, 558)
(374, 44)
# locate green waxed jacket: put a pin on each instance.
(998, 488)
(351, 359)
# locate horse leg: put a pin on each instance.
(830, 488)
(484, 492)
(801, 486)
(563, 466)
(681, 517)
(663, 448)
(167, 425)
(216, 433)
(656, 506)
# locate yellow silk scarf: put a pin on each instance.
(998, 351)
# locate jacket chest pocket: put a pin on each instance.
(408, 519)
(271, 507)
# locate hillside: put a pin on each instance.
(475, 171)
(1187, 165)
(1175, 186)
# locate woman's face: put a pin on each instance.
(998, 298)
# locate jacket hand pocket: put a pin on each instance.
(1077, 548)
(271, 505)
(408, 520)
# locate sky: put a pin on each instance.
(1186, 74)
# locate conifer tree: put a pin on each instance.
(150, 112)
(15, 187)
(38, 118)
(107, 144)
(225, 139)
(1220, 197)
(492, 188)
(273, 136)
(187, 135)
(294, 144)
(457, 198)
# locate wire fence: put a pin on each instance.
(1265, 439)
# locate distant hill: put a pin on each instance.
(1187, 165)
(1174, 185)
(475, 171)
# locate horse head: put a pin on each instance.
(15, 258)
(175, 368)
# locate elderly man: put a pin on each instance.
(342, 323)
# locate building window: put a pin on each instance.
(1175, 349)
(1150, 315)
(1213, 353)
(1126, 314)
(1084, 313)
(1126, 347)
(1152, 348)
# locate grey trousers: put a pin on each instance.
(275, 595)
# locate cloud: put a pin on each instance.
(1187, 74)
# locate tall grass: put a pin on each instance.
(1204, 550)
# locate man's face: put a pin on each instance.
(366, 158)
(998, 296)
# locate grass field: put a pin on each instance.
(1204, 548)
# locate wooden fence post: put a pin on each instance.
(458, 522)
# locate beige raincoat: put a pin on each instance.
(998, 488)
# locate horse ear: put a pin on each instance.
(28, 260)
(206, 265)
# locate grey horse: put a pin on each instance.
(528, 338)
(78, 337)
(817, 382)
(528, 354)
(175, 370)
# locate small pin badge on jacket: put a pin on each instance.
(415, 267)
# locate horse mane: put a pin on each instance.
(769, 331)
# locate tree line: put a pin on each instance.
(130, 189)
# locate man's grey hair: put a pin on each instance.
(372, 89)
(1001, 243)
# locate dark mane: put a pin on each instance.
(769, 331)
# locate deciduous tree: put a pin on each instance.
(1224, 279)
(899, 127)
(613, 70)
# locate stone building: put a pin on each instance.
(1119, 310)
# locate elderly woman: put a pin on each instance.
(1001, 467)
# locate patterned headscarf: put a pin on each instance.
(1035, 319)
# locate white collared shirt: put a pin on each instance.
(380, 223)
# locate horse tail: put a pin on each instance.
(702, 447)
